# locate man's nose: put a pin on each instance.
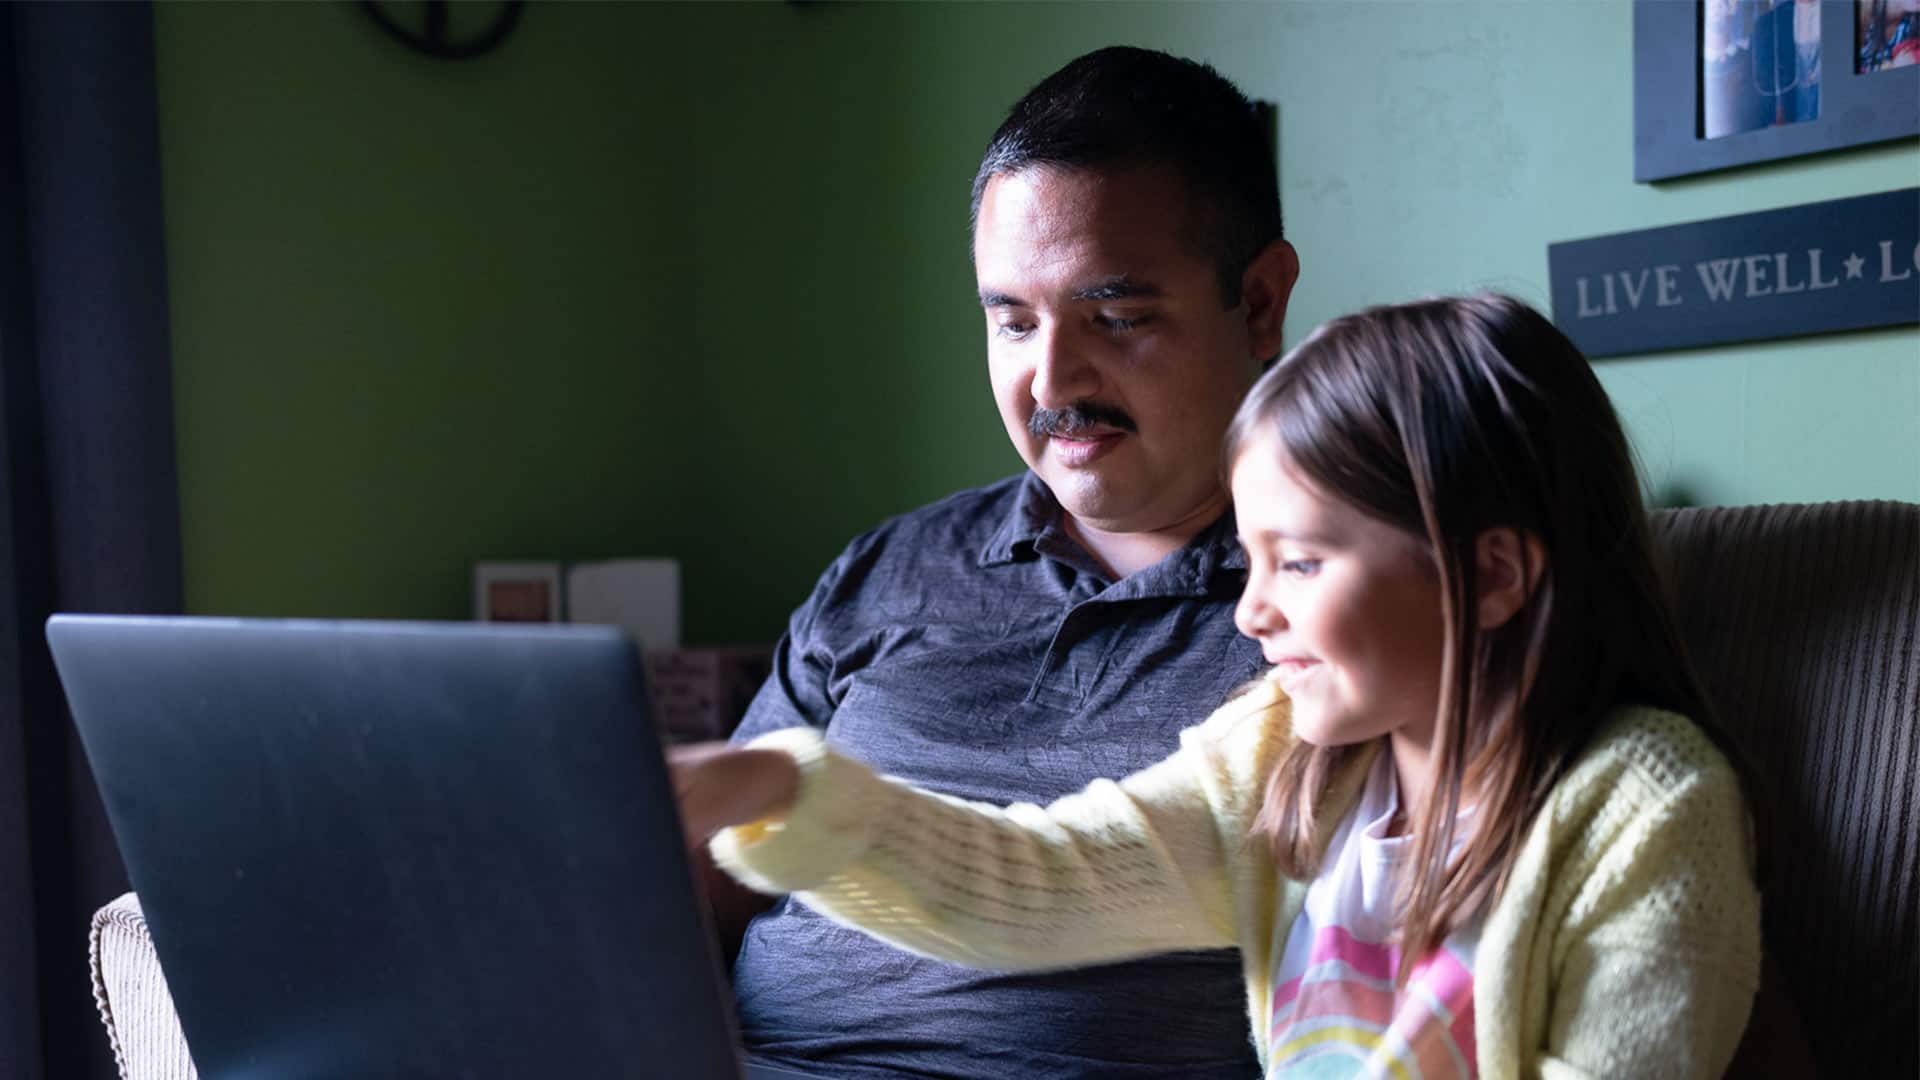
(1063, 375)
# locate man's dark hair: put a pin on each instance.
(1123, 107)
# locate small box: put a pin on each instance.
(640, 596)
(701, 694)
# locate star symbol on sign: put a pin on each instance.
(1854, 263)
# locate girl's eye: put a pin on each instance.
(1300, 567)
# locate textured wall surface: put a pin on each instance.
(693, 279)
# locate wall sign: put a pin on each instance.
(1840, 265)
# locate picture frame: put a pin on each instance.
(1671, 85)
(524, 592)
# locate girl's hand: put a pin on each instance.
(720, 785)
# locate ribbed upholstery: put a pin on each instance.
(132, 996)
(1804, 622)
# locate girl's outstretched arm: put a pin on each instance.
(1120, 869)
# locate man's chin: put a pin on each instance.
(1087, 495)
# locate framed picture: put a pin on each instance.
(517, 592)
(1721, 83)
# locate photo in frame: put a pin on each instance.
(1724, 83)
(518, 592)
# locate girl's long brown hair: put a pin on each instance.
(1445, 418)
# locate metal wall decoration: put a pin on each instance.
(1720, 83)
(1846, 264)
(427, 27)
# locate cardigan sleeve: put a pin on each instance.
(1119, 869)
(1657, 960)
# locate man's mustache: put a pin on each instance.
(1078, 417)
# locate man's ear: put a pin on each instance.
(1507, 565)
(1264, 290)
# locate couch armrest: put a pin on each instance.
(131, 993)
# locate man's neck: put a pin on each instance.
(1126, 553)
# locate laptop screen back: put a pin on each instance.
(391, 849)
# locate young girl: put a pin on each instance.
(1468, 825)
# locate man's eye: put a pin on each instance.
(1300, 567)
(1012, 331)
(1121, 323)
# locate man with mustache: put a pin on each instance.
(1015, 642)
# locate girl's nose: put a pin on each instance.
(1255, 616)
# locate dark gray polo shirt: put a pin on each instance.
(973, 648)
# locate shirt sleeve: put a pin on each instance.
(796, 691)
(1658, 959)
(1117, 870)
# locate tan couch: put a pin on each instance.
(1805, 624)
(131, 994)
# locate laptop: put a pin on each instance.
(373, 849)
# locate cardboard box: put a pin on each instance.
(701, 694)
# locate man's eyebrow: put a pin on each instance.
(1120, 287)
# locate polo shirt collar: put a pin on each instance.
(1033, 514)
(1032, 527)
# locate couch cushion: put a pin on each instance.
(1803, 622)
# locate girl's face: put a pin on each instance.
(1345, 607)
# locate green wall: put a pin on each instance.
(693, 279)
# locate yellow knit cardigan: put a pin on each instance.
(1625, 944)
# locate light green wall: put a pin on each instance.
(422, 313)
(692, 280)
